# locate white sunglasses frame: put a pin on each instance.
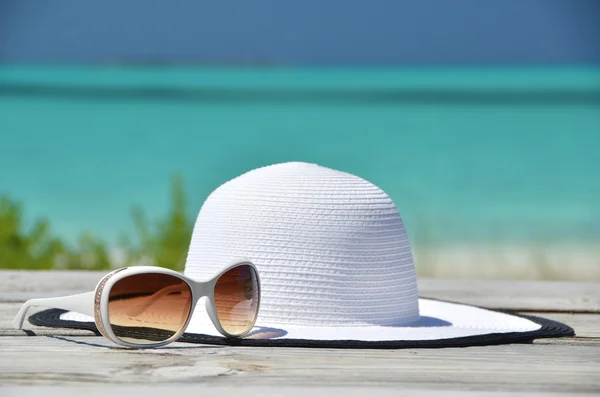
(95, 303)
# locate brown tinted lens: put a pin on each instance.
(236, 299)
(148, 308)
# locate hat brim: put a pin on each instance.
(442, 324)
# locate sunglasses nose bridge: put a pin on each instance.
(202, 289)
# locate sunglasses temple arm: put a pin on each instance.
(81, 303)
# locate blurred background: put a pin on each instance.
(481, 119)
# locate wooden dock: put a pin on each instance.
(75, 362)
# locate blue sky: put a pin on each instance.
(306, 32)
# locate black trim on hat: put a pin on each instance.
(549, 329)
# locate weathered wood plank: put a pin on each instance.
(20, 285)
(499, 294)
(186, 389)
(67, 358)
(517, 295)
(84, 360)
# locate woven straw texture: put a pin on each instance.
(330, 247)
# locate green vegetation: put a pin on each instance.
(166, 243)
(161, 243)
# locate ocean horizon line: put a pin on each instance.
(296, 94)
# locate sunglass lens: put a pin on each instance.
(149, 308)
(237, 299)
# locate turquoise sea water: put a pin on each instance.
(468, 155)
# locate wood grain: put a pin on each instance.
(195, 390)
(75, 360)
(84, 360)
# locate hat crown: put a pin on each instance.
(330, 247)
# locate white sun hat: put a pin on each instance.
(335, 264)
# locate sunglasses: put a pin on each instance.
(147, 306)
